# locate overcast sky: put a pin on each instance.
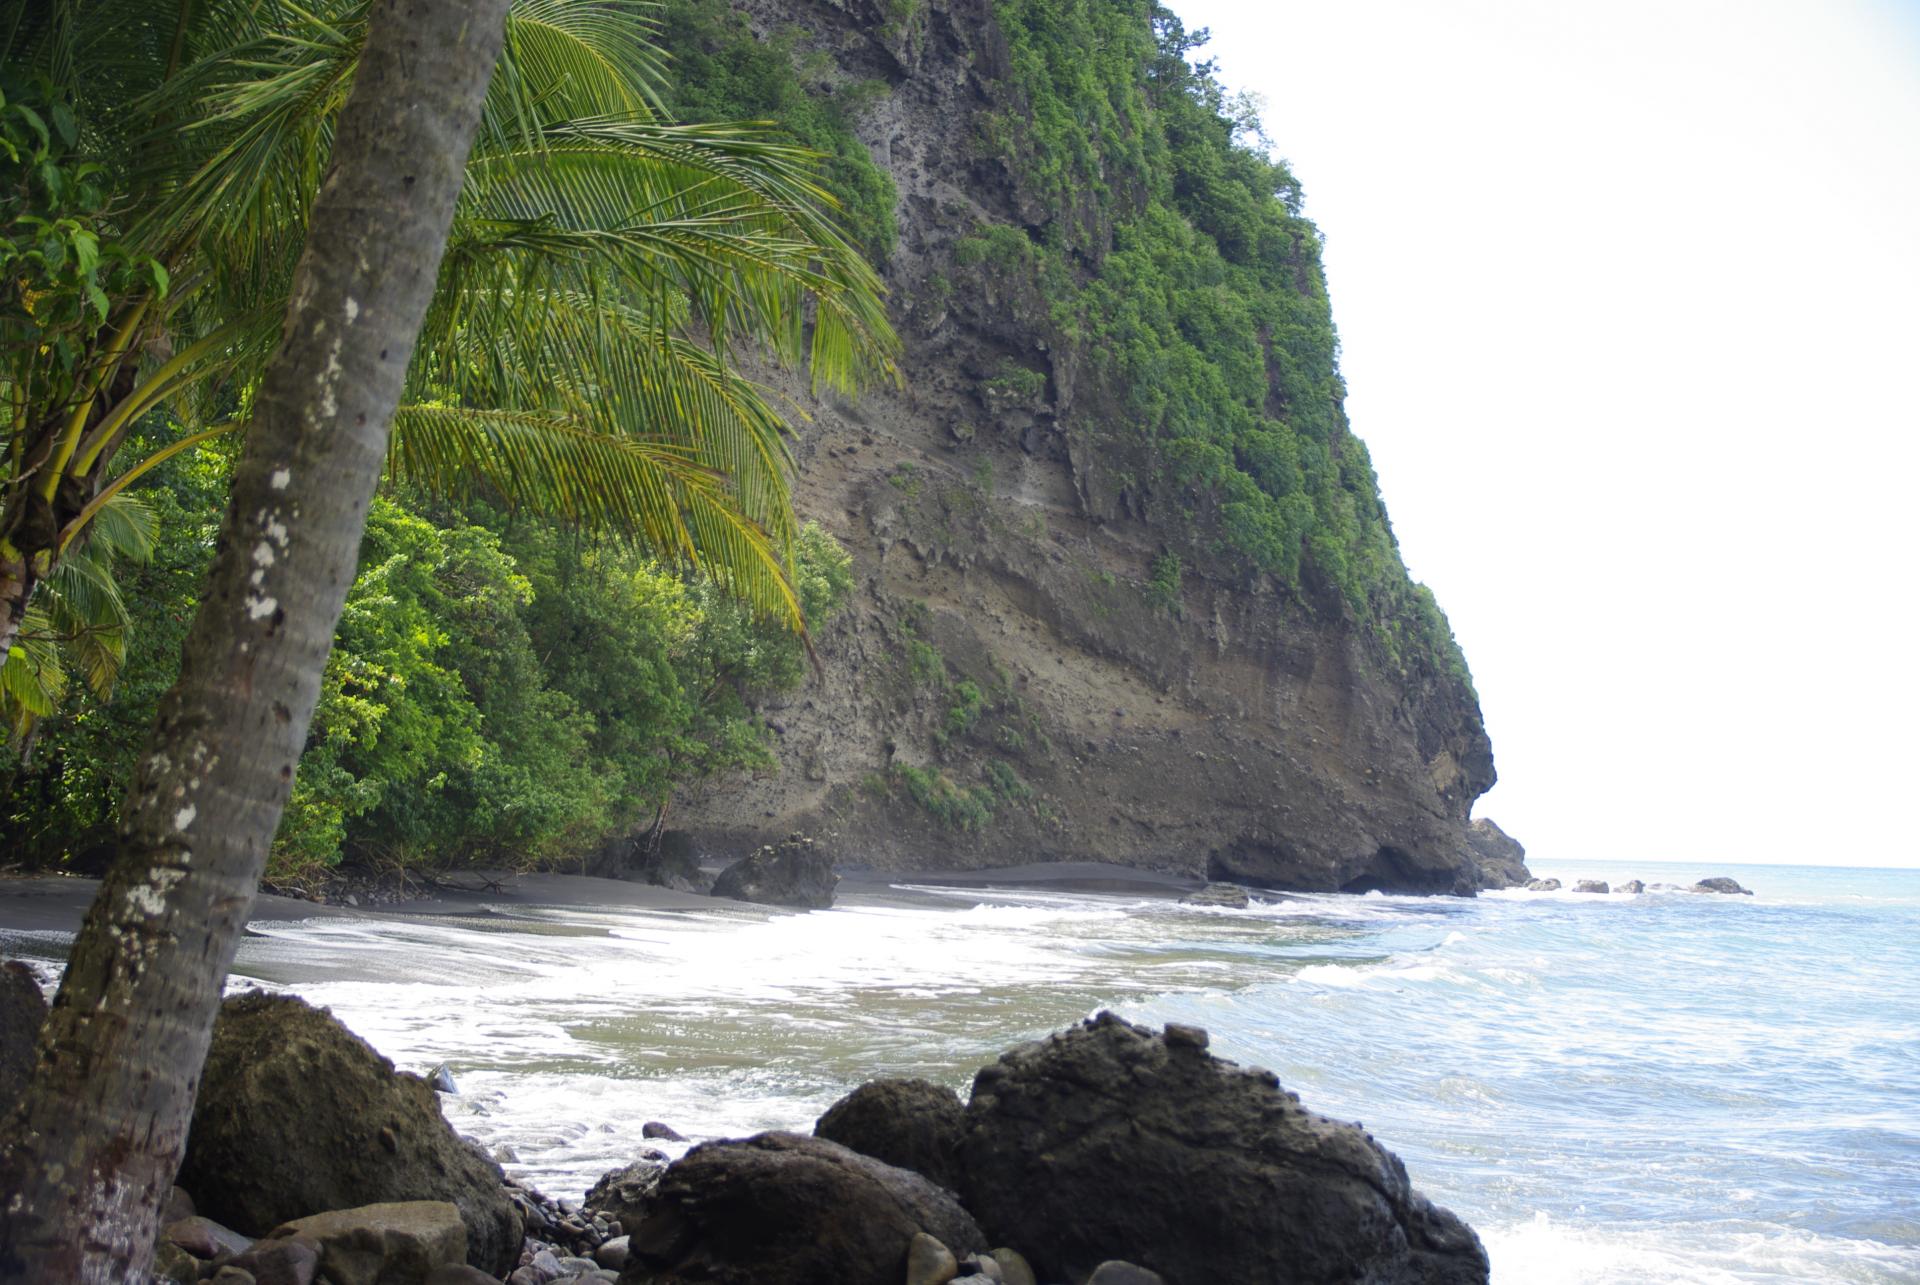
(1629, 300)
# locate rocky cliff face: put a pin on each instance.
(1018, 679)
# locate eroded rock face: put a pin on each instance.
(785, 1209)
(910, 1124)
(1109, 1141)
(22, 1010)
(297, 1116)
(1258, 736)
(1230, 896)
(796, 872)
(1502, 861)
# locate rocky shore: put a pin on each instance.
(1106, 1154)
(1718, 884)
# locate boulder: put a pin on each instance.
(296, 1115)
(1501, 860)
(1591, 885)
(910, 1124)
(1543, 885)
(173, 1265)
(204, 1238)
(1109, 1141)
(792, 873)
(1665, 887)
(282, 1260)
(784, 1209)
(22, 1010)
(1229, 895)
(675, 863)
(396, 1243)
(929, 1262)
(663, 1132)
(1632, 885)
(1115, 1272)
(1721, 883)
(622, 1194)
(1013, 1267)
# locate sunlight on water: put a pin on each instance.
(1654, 1088)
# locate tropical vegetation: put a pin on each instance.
(606, 271)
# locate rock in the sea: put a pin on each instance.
(1665, 887)
(1230, 895)
(784, 1209)
(1543, 885)
(1501, 859)
(622, 1194)
(795, 872)
(663, 1132)
(1109, 1141)
(910, 1124)
(1591, 885)
(1633, 886)
(22, 1009)
(1720, 883)
(296, 1114)
(385, 1244)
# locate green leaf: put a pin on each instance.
(101, 304)
(64, 125)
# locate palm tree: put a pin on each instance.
(90, 1150)
(605, 270)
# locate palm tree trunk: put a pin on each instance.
(94, 1144)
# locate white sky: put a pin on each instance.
(1629, 299)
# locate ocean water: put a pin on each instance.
(1655, 1088)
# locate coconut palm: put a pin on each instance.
(607, 272)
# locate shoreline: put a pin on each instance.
(37, 904)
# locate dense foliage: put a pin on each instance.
(499, 693)
(1176, 259)
(722, 71)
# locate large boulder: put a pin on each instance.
(383, 1244)
(1501, 859)
(1109, 1141)
(297, 1115)
(22, 1011)
(1720, 883)
(911, 1124)
(784, 1209)
(792, 873)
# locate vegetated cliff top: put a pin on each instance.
(1127, 590)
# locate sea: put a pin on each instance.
(1662, 1087)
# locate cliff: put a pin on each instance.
(1126, 592)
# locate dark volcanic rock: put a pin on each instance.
(1502, 861)
(22, 1009)
(298, 1116)
(783, 1209)
(792, 873)
(911, 1124)
(1108, 1141)
(1721, 883)
(1264, 726)
(392, 1243)
(622, 1194)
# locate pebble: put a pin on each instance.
(929, 1262)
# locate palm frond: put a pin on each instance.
(654, 492)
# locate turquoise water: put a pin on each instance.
(1654, 1088)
